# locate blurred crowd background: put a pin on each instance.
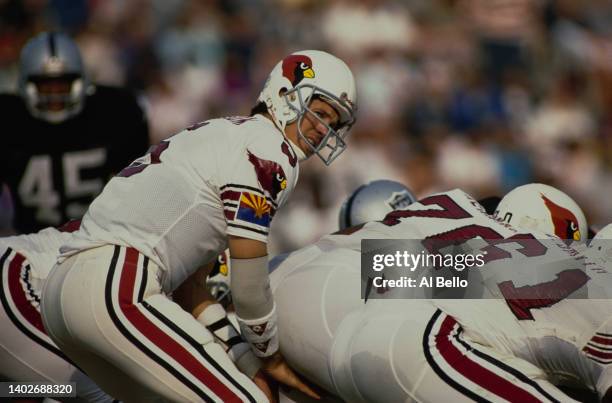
(482, 95)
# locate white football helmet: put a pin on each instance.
(218, 281)
(298, 79)
(604, 233)
(542, 207)
(46, 57)
(373, 201)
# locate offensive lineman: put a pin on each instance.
(215, 184)
(433, 350)
(69, 137)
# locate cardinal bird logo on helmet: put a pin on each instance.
(270, 175)
(565, 222)
(297, 67)
(220, 265)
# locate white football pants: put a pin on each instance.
(104, 308)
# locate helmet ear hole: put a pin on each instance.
(282, 91)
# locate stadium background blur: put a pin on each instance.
(483, 95)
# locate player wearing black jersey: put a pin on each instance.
(68, 136)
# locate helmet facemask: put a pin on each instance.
(54, 106)
(333, 142)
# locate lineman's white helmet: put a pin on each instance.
(543, 208)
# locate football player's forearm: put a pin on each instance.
(216, 320)
(250, 287)
(193, 295)
(250, 284)
(252, 297)
(254, 303)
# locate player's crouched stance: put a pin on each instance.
(27, 354)
(214, 185)
(121, 328)
(426, 355)
(405, 349)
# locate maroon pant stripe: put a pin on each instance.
(18, 296)
(158, 337)
(473, 371)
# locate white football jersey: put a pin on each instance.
(178, 204)
(326, 277)
(555, 331)
(454, 213)
(41, 250)
(567, 338)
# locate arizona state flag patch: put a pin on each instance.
(254, 209)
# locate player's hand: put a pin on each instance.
(278, 369)
(267, 386)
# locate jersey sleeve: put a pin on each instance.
(255, 187)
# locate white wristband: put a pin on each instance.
(261, 333)
(215, 319)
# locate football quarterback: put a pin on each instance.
(213, 185)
